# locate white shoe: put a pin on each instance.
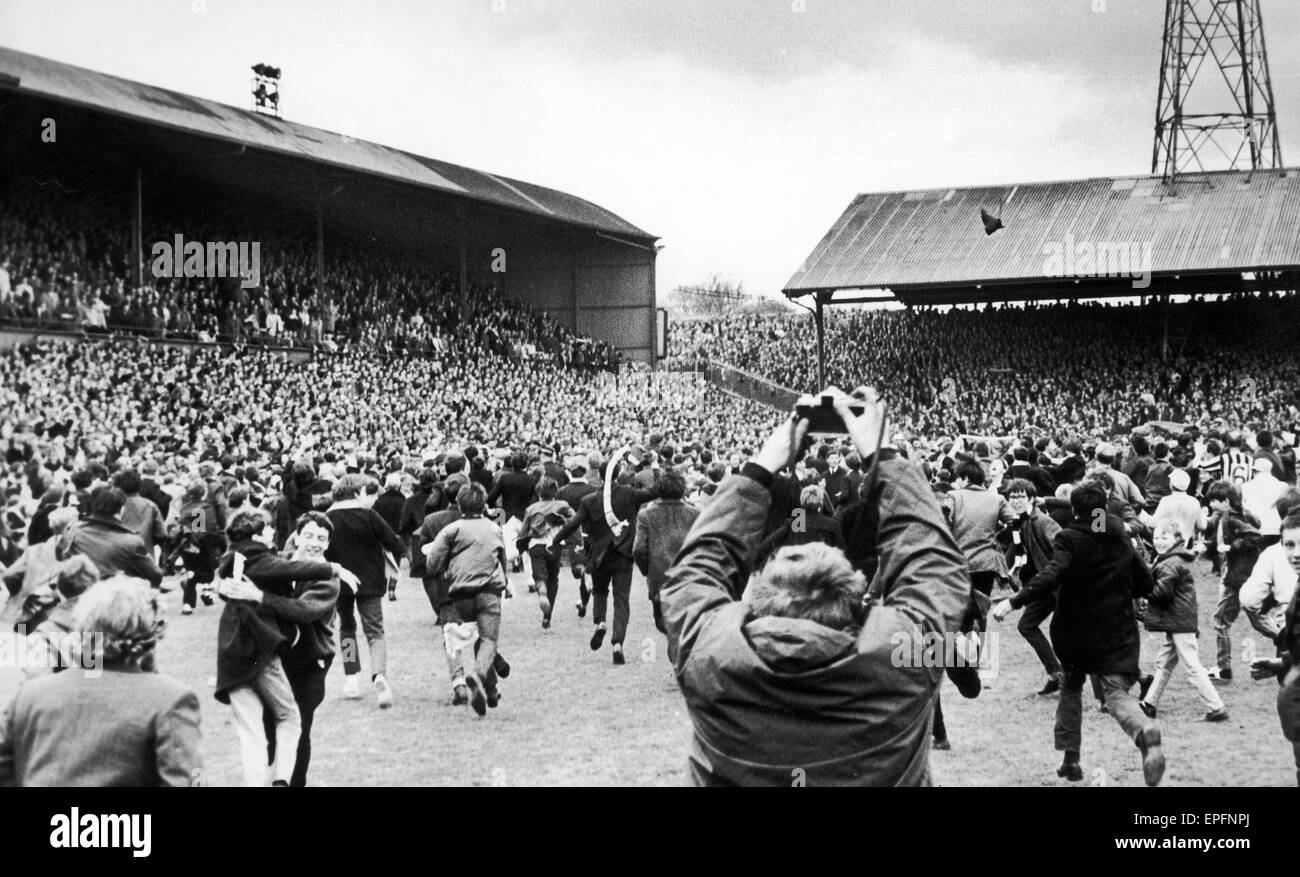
(352, 688)
(384, 692)
(187, 610)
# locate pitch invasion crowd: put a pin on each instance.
(291, 496)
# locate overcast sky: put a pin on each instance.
(737, 130)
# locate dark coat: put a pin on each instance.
(1171, 608)
(1095, 577)
(661, 529)
(150, 490)
(250, 634)
(1043, 482)
(1069, 470)
(1241, 535)
(626, 501)
(114, 548)
(771, 696)
(802, 530)
(389, 507)
(358, 542)
(515, 490)
(311, 608)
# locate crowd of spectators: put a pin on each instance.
(1084, 369)
(62, 266)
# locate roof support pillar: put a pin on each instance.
(821, 342)
(137, 227)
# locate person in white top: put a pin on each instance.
(1180, 508)
(1266, 594)
(1259, 496)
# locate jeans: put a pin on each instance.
(1226, 613)
(1122, 704)
(1030, 627)
(307, 679)
(270, 690)
(484, 610)
(616, 569)
(1184, 646)
(371, 609)
(546, 571)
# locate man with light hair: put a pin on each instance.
(804, 681)
(128, 725)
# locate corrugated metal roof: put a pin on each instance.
(55, 80)
(1217, 222)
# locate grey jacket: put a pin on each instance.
(114, 548)
(777, 700)
(661, 529)
(121, 728)
(471, 553)
(977, 514)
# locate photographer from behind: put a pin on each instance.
(799, 682)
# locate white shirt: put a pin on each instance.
(1183, 510)
(1259, 496)
(1274, 576)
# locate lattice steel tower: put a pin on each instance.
(1215, 109)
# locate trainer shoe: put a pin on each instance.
(1153, 760)
(392, 591)
(459, 696)
(618, 654)
(1147, 708)
(1052, 686)
(352, 687)
(187, 610)
(384, 693)
(546, 622)
(532, 589)
(493, 698)
(941, 745)
(1219, 674)
(598, 638)
(1219, 715)
(477, 697)
(508, 594)
(501, 665)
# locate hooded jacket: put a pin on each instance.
(1171, 608)
(1095, 576)
(775, 699)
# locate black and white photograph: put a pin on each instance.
(599, 393)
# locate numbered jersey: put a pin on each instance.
(1237, 466)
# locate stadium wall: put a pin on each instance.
(592, 284)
